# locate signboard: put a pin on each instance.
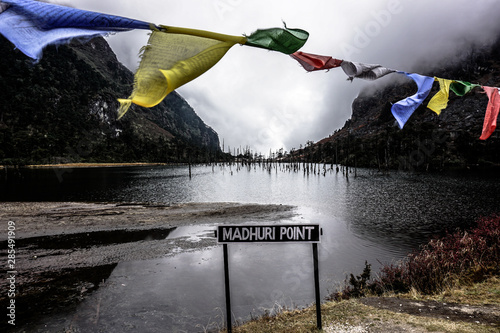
(303, 233)
(298, 233)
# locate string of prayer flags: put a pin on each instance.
(31, 25)
(490, 119)
(173, 57)
(403, 109)
(313, 62)
(285, 40)
(364, 71)
(440, 100)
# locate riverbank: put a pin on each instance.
(65, 250)
(474, 308)
(452, 284)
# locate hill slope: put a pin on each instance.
(371, 138)
(63, 109)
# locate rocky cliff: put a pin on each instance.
(371, 138)
(64, 109)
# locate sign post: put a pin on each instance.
(228, 291)
(316, 286)
(298, 233)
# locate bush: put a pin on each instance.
(358, 285)
(462, 257)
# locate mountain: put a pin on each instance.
(372, 138)
(64, 109)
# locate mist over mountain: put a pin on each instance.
(64, 109)
(372, 138)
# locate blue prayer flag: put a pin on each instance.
(403, 109)
(31, 25)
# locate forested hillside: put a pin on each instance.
(64, 109)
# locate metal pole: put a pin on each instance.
(228, 294)
(316, 286)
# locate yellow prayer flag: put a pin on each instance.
(440, 100)
(173, 58)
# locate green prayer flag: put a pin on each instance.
(282, 40)
(461, 88)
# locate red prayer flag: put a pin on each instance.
(490, 119)
(314, 62)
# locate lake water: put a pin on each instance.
(370, 216)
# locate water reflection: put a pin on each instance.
(392, 208)
(372, 217)
(397, 209)
(185, 293)
(410, 208)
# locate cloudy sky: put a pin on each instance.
(264, 99)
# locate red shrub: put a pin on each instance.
(464, 256)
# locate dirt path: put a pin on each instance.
(485, 314)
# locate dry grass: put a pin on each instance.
(485, 292)
(350, 316)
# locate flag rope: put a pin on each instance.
(203, 33)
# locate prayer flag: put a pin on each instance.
(490, 119)
(440, 100)
(314, 62)
(284, 40)
(50, 16)
(364, 71)
(173, 57)
(32, 25)
(403, 109)
(3, 7)
(460, 88)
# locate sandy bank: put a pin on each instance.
(54, 236)
(65, 249)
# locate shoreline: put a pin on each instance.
(84, 165)
(490, 169)
(41, 219)
(64, 250)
